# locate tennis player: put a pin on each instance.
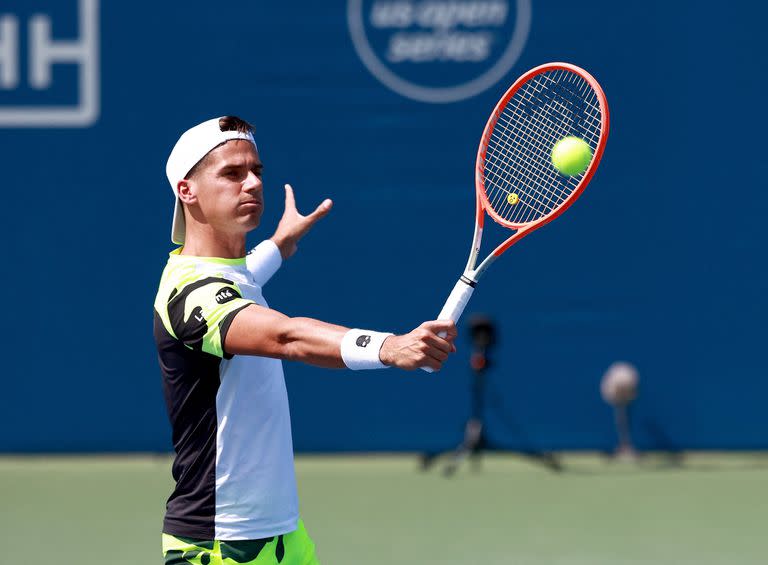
(220, 349)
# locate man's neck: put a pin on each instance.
(207, 243)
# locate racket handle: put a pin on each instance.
(455, 305)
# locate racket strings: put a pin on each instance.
(547, 200)
(546, 193)
(539, 191)
(520, 180)
(529, 165)
(541, 200)
(515, 170)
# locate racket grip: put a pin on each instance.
(454, 306)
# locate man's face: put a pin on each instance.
(228, 193)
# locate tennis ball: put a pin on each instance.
(571, 156)
(512, 198)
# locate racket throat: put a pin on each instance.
(474, 252)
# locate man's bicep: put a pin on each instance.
(257, 330)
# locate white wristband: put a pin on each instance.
(263, 261)
(360, 349)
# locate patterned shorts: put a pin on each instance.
(295, 548)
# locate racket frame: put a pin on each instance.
(472, 273)
(465, 286)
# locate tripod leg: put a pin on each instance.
(472, 434)
(426, 460)
(477, 452)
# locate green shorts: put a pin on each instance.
(295, 548)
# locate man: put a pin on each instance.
(220, 348)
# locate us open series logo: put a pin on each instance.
(439, 51)
(49, 64)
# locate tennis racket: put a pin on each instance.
(516, 183)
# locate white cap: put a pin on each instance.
(193, 145)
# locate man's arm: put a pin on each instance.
(257, 330)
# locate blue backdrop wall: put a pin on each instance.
(661, 262)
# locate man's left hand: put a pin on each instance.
(293, 226)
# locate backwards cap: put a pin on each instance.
(192, 146)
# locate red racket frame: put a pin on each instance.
(482, 199)
(465, 286)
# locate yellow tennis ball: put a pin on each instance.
(571, 156)
(512, 198)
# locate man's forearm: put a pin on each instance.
(257, 330)
(314, 342)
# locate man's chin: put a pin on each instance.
(252, 221)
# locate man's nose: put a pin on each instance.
(252, 182)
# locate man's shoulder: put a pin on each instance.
(196, 302)
(182, 278)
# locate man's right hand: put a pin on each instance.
(422, 347)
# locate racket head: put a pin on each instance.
(516, 183)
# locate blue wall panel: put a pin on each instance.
(661, 262)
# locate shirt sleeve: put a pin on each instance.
(263, 261)
(202, 311)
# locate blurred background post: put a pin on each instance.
(619, 389)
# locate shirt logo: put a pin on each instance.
(41, 95)
(363, 341)
(439, 51)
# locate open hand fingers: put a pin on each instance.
(307, 221)
(290, 199)
(322, 210)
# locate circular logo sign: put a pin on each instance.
(439, 51)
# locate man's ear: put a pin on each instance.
(186, 191)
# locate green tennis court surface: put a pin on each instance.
(382, 510)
